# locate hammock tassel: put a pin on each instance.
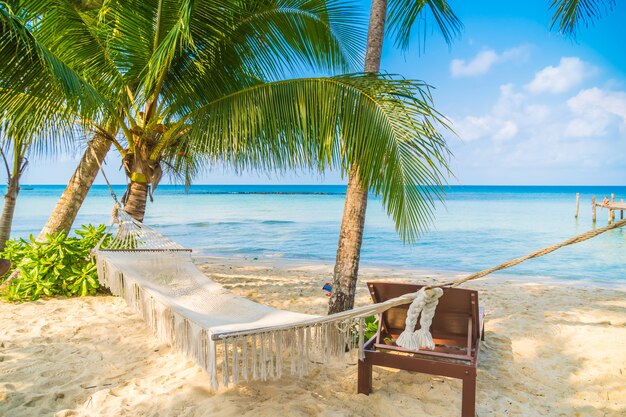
(425, 304)
(361, 339)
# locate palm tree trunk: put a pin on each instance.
(6, 220)
(351, 234)
(72, 199)
(135, 202)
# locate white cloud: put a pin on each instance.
(472, 128)
(526, 138)
(595, 99)
(595, 111)
(509, 99)
(484, 60)
(477, 66)
(570, 72)
(508, 131)
(500, 124)
(537, 113)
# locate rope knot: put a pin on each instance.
(115, 213)
(424, 304)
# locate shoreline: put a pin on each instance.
(374, 268)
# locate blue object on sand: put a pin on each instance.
(328, 288)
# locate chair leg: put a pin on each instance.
(468, 401)
(365, 378)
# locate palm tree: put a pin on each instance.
(189, 84)
(27, 125)
(14, 169)
(402, 17)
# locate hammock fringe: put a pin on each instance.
(256, 356)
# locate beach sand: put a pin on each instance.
(551, 349)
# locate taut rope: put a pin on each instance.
(576, 239)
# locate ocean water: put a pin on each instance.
(478, 227)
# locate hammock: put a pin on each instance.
(222, 332)
(230, 335)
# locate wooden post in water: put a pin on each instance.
(593, 208)
(610, 216)
(621, 212)
(577, 203)
(612, 211)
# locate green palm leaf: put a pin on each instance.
(36, 85)
(46, 126)
(569, 14)
(58, 24)
(403, 15)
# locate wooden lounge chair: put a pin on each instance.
(457, 330)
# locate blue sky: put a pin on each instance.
(529, 106)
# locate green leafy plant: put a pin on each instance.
(59, 266)
(371, 327)
(369, 330)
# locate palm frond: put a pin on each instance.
(131, 23)
(570, 14)
(239, 44)
(32, 70)
(404, 15)
(46, 127)
(384, 125)
(276, 37)
(76, 39)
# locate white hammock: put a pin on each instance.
(230, 336)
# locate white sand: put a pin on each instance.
(551, 350)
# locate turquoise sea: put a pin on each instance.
(479, 226)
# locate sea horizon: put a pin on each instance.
(329, 185)
(478, 227)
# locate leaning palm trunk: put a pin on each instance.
(8, 210)
(346, 270)
(65, 212)
(349, 248)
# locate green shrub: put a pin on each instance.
(371, 327)
(60, 266)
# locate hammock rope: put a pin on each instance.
(104, 175)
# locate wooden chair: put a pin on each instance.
(457, 330)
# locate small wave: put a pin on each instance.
(267, 192)
(277, 222)
(209, 224)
